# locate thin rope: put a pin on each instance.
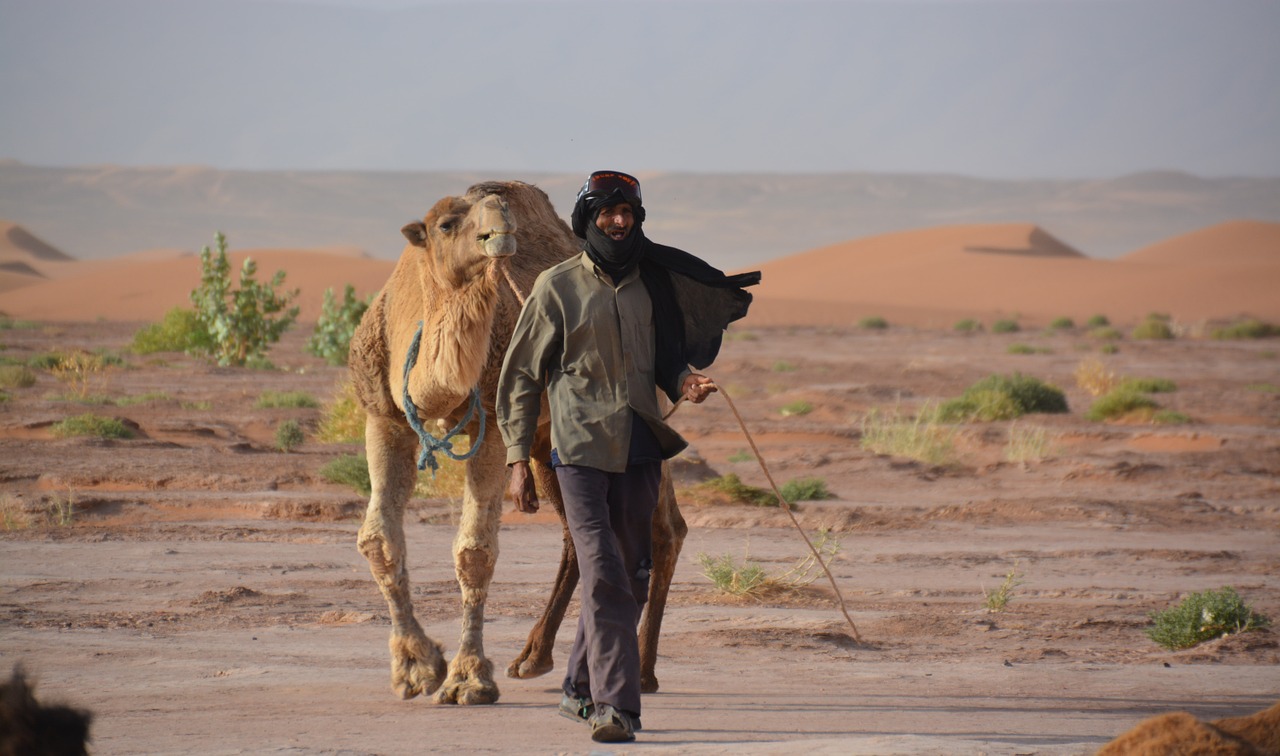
(431, 444)
(506, 273)
(785, 507)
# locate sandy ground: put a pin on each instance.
(207, 596)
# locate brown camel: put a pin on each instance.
(456, 283)
(1181, 733)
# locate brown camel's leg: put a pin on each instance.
(536, 658)
(669, 531)
(417, 665)
(475, 551)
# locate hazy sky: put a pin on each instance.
(998, 88)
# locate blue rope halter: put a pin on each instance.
(431, 444)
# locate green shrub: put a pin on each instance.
(1027, 349)
(1169, 417)
(149, 397)
(1148, 385)
(1119, 403)
(1108, 349)
(1062, 324)
(1153, 328)
(243, 322)
(1005, 326)
(343, 419)
(1105, 333)
(90, 424)
(968, 325)
(798, 407)
(1097, 321)
(289, 436)
(7, 323)
(805, 489)
(1204, 616)
(286, 400)
(332, 338)
(1003, 397)
(733, 487)
(782, 366)
(1247, 329)
(349, 470)
(181, 330)
(16, 376)
(46, 360)
(874, 322)
(748, 580)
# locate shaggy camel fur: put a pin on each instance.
(1180, 733)
(452, 278)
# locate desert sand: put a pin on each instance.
(206, 595)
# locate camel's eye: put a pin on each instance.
(448, 224)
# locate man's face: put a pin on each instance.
(616, 221)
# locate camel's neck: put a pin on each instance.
(455, 336)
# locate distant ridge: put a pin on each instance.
(1038, 243)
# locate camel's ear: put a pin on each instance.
(416, 233)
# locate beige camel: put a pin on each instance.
(1181, 733)
(456, 283)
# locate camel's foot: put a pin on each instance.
(648, 682)
(530, 664)
(470, 682)
(417, 665)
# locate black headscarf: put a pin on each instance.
(693, 302)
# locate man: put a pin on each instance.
(600, 333)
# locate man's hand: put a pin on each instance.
(697, 387)
(524, 492)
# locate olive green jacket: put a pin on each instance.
(590, 346)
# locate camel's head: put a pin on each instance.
(464, 235)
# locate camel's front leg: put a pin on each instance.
(535, 659)
(669, 531)
(475, 551)
(417, 665)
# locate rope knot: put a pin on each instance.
(430, 444)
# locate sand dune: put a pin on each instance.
(929, 277)
(932, 277)
(141, 289)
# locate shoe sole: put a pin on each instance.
(612, 733)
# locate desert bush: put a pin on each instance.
(1105, 333)
(1095, 378)
(1169, 417)
(1025, 444)
(1121, 403)
(149, 397)
(920, 437)
(243, 322)
(332, 338)
(343, 419)
(731, 486)
(9, 324)
(1097, 321)
(798, 407)
(747, 580)
(1003, 397)
(1149, 385)
(1247, 329)
(181, 330)
(805, 489)
(1027, 349)
(289, 436)
(45, 360)
(1153, 328)
(997, 600)
(1204, 616)
(90, 424)
(1108, 349)
(967, 325)
(286, 400)
(782, 366)
(873, 322)
(16, 376)
(1005, 326)
(1062, 324)
(349, 470)
(83, 372)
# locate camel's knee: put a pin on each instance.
(474, 566)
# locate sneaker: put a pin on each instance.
(577, 708)
(609, 725)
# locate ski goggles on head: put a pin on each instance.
(605, 183)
